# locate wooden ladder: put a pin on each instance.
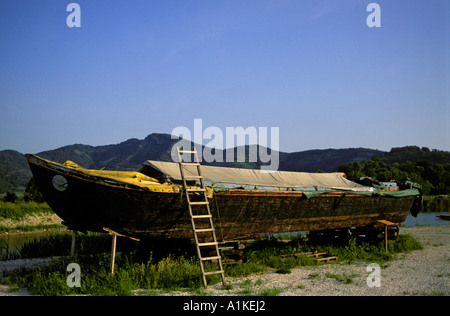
(201, 218)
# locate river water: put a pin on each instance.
(425, 219)
(10, 244)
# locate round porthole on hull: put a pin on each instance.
(60, 183)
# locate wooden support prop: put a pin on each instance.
(113, 245)
(72, 248)
(111, 232)
(113, 252)
(386, 225)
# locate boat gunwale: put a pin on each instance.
(60, 168)
(285, 193)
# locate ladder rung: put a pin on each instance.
(199, 203)
(203, 230)
(189, 163)
(201, 216)
(213, 272)
(196, 190)
(187, 151)
(204, 244)
(211, 258)
(192, 177)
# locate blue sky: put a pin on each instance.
(312, 68)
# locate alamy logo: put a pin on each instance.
(233, 137)
(374, 278)
(74, 18)
(374, 18)
(74, 278)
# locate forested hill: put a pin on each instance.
(415, 154)
(130, 154)
(429, 168)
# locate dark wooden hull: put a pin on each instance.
(87, 204)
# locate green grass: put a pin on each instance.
(168, 274)
(344, 278)
(274, 291)
(28, 228)
(176, 273)
(17, 211)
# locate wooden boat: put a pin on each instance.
(444, 217)
(245, 203)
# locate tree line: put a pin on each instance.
(433, 177)
(31, 194)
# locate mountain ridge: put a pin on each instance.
(130, 154)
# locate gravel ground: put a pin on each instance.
(421, 272)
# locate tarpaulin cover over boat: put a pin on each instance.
(312, 184)
(255, 177)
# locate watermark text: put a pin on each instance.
(374, 278)
(74, 278)
(217, 140)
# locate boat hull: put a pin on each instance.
(86, 203)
